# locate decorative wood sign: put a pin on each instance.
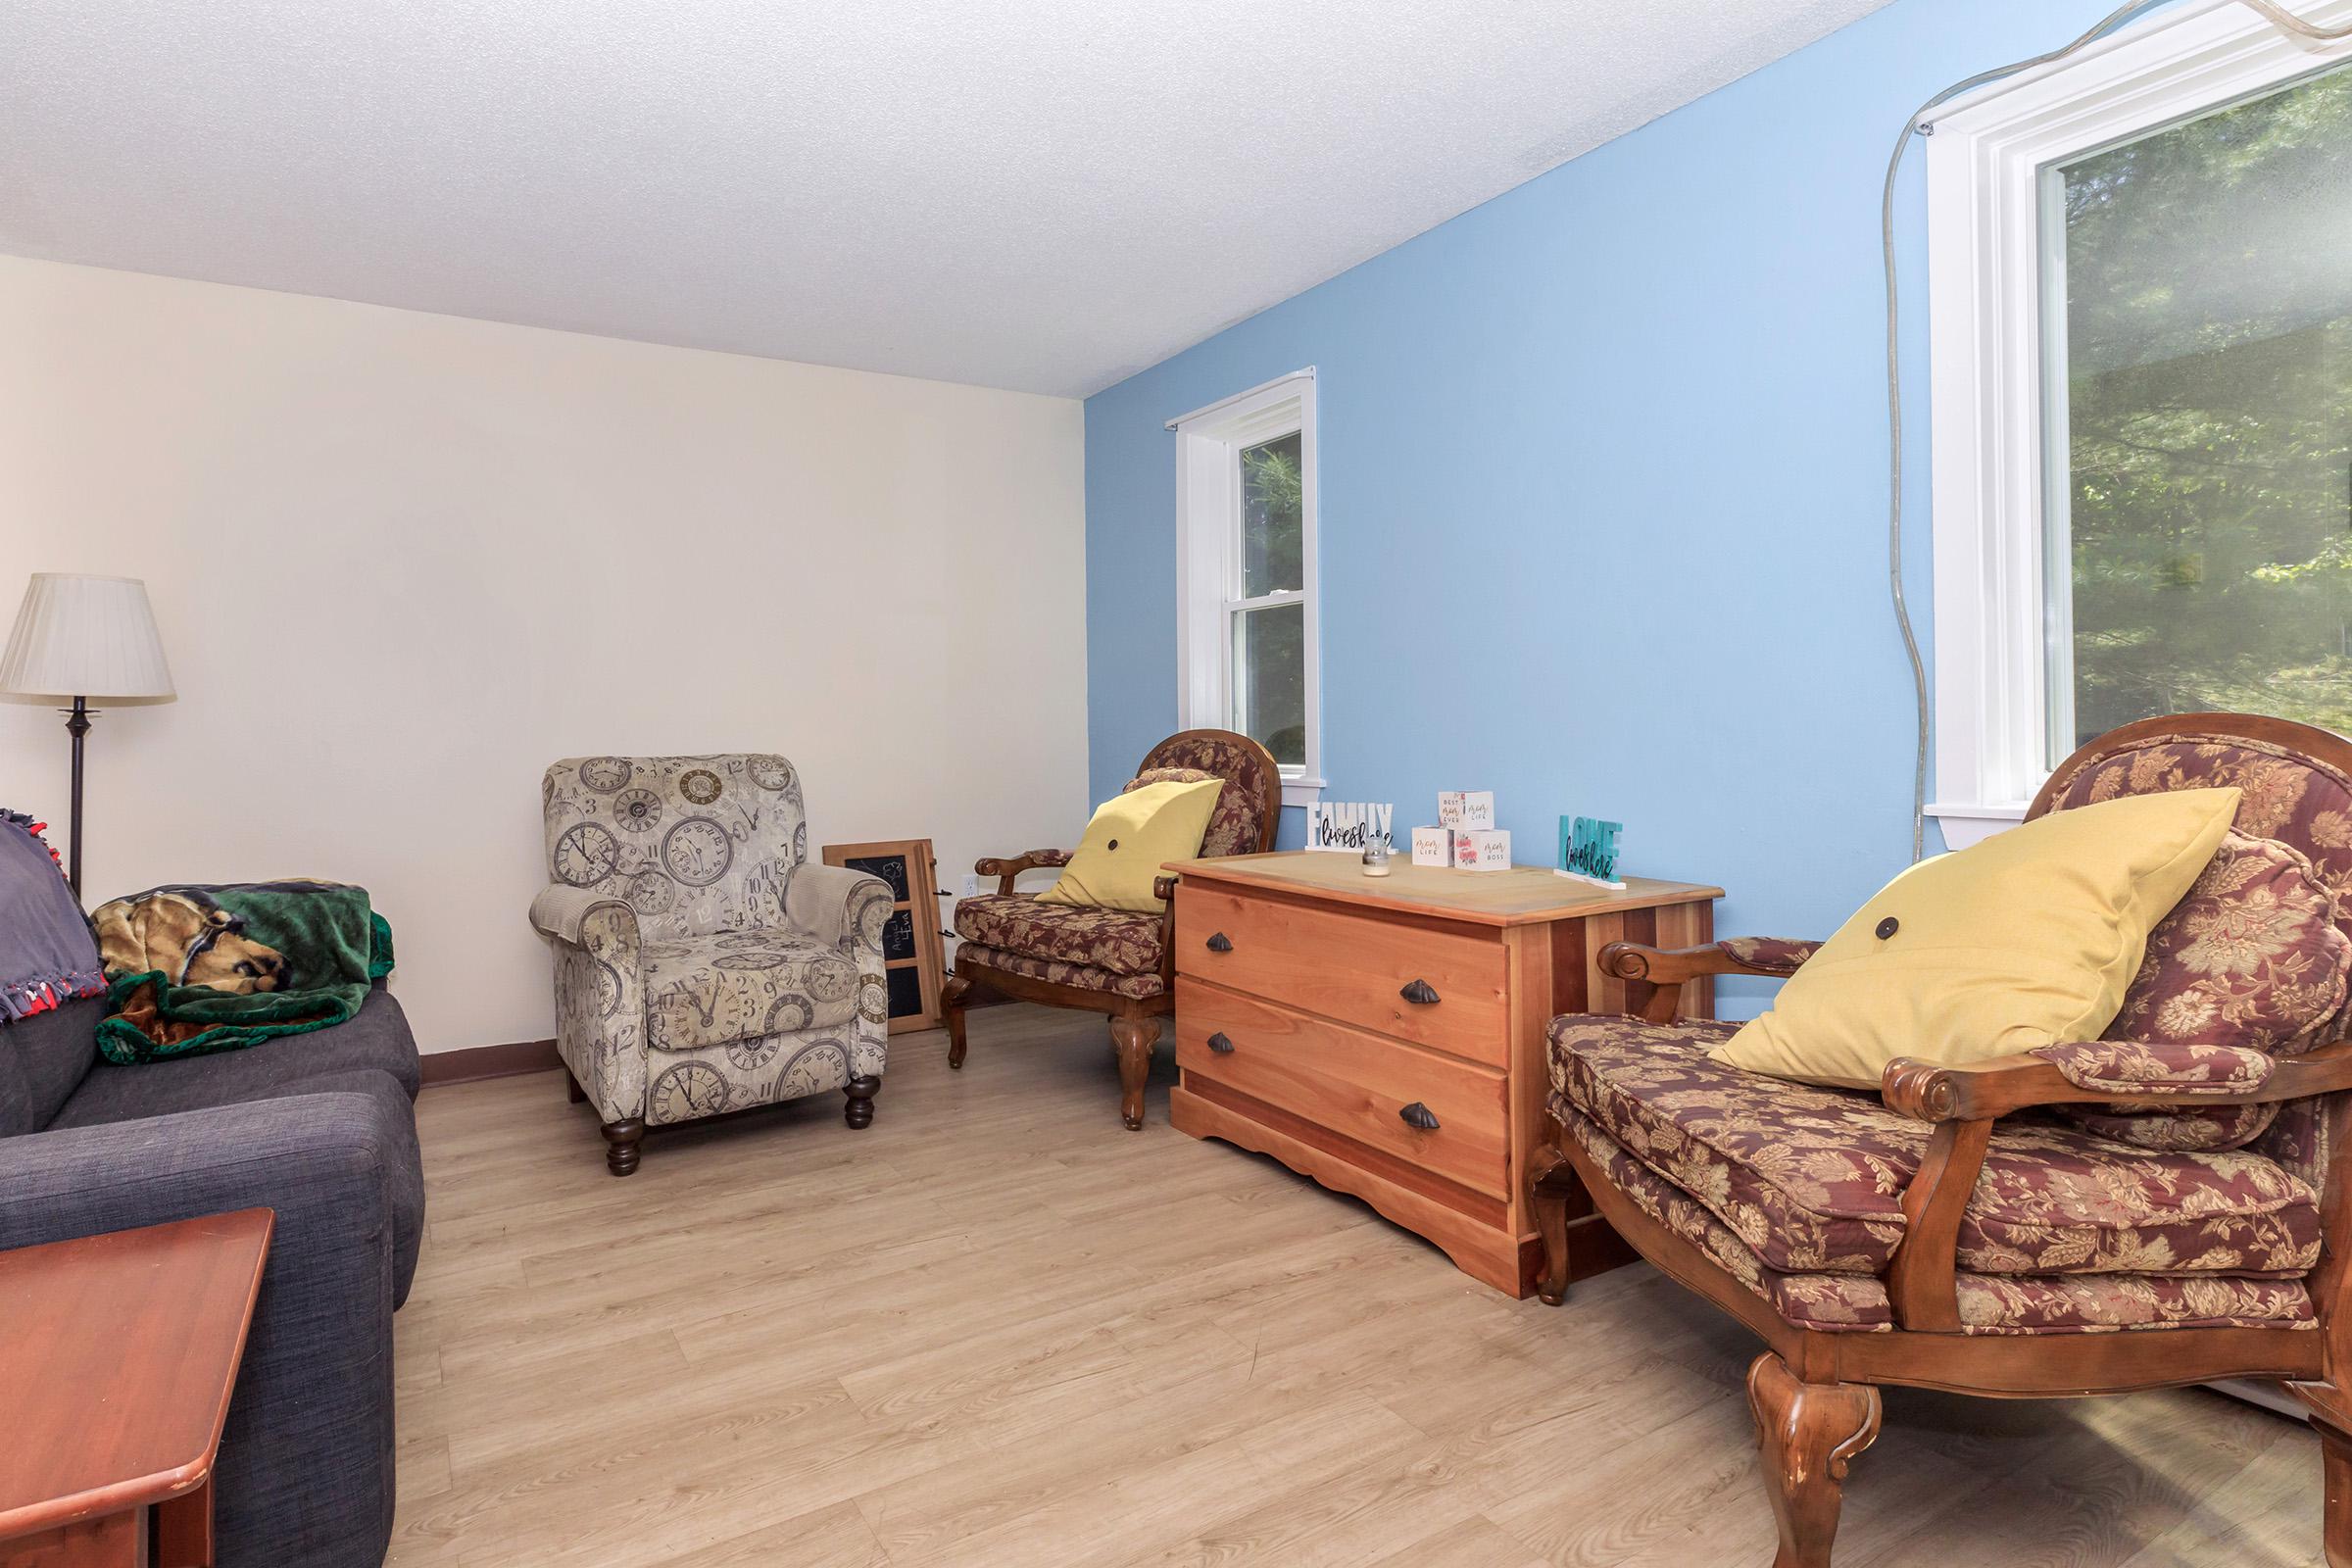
(1346, 826)
(1589, 850)
(912, 960)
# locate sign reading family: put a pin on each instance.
(1346, 826)
(1589, 850)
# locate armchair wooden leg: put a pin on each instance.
(1134, 1038)
(862, 1089)
(1550, 1188)
(2335, 1470)
(572, 1088)
(621, 1144)
(950, 1013)
(1809, 1432)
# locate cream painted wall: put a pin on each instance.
(402, 561)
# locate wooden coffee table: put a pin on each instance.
(115, 1369)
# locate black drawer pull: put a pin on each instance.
(1220, 942)
(1220, 1044)
(1419, 993)
(1419, 1115)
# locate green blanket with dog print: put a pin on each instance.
(196, 968)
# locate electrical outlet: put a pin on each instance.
(971, 886)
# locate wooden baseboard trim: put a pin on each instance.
(489, 1061)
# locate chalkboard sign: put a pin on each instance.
(912, 960)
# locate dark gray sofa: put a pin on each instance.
(319, 1127)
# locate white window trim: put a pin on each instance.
(1984, 289)
(1207, 584)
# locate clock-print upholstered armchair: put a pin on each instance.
(703, 965)
(1115, 961)
(2169, 1205)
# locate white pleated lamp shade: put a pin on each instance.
(80, 636)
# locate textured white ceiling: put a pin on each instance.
(1039, 194)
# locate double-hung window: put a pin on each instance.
(2140, 280)
(1246, 626)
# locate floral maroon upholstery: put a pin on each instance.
(1165, 775)
(1236, 826)
(2256, 954)
(2250, 956)
(2095, 1303)
(2285, 795)
(1083, 976)
(1989, 1304)
(1773, 954)
(1117, 941)
(1837, 1302)
(2159, 1067)
(1811, 1180)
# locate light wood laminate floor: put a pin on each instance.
(996, 1328)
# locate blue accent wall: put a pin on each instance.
(1603, 489)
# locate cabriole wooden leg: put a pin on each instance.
(621, 1144)
(951, 1010)
(862, 1089)
(1134, 1038)
(1549, 1193)
(1809, 1432)
(2335, 1470)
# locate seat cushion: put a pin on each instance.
(377, 1038)
(1116, 941)
(1082, 976)
(1989, 1303)
(741, 985)
(1812, 1180)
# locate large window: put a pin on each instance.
(1247, 624)
(2199, 426)
(2141, 279)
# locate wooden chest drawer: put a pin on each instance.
(1351, 969)
(1356, 1084)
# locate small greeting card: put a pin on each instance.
(1481, 848)
(1462, 810)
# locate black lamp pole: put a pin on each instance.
(77, 725)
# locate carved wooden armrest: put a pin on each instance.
(2075, 1074)
(1671, 966)
(1027, 860)
(1964, 1101)
(1667, 968)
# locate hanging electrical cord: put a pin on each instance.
(1917, 126)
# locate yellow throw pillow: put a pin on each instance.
(1130, 837)
(2028, 939)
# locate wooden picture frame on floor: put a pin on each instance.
(913, 959)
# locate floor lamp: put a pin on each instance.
(80, 638)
